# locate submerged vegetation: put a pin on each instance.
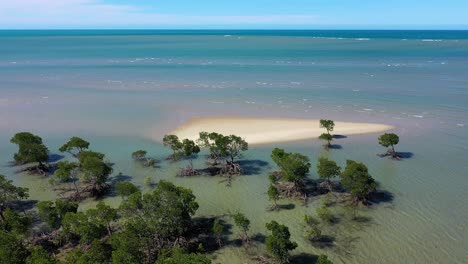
(159, 226)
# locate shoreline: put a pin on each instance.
(258, 131)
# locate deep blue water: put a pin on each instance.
(375, 34)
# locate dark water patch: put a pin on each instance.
(252, 167)
(335, 146)
(381, 196)
(303, 258)
(405, 155)
(362, 219)
(325, 241)
(289, 206)
(339, 136)
(259, 237)
(55, 157)
(23, 205)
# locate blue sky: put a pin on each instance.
(238, 14)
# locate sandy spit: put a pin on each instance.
(271, 130)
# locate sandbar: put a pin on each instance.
(271, 130)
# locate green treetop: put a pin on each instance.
(153, 221)
(74, 146)
(125, 189)
(218, 230)
(357, 180)
(323, 259)
(329, 125)
(294, 166)
(243, 223)
(389, 140)
(273, 195)
(54, 213)
(9, 193)
(30, 149)
(173, 142)
(279, 243)
(327, 169)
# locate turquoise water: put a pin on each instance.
(123, 90)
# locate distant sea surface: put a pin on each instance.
(124, 89)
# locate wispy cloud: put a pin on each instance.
(94, 13)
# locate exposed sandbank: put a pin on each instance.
(271, 130)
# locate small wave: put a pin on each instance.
(431, 40)
(368, 109)
(361, 39)
(460, 125)
(418, 116)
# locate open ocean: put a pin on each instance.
(123, 90)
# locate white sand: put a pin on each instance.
(270, 130)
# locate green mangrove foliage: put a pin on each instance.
(357, 180)
(88, 175)
(31, 150)
(389, 140)
(243, 223)
(278, 243)
(75, 146)
(328, 169)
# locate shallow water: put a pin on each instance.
(121, 91)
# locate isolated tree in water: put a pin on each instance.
(74, 146)
(30, 150)
(390, 140)
(357, 180)
(329, 125)
(279, 243)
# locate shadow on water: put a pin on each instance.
(55, 157)
(260, 238)
(335, 146)
(339, 136)
(286, 206)
(381, 196)
(362, 219)
(23, 205)
(252, 167)
(325, 242)
(405, 155)
(303, 258)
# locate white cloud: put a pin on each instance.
(93, 13)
